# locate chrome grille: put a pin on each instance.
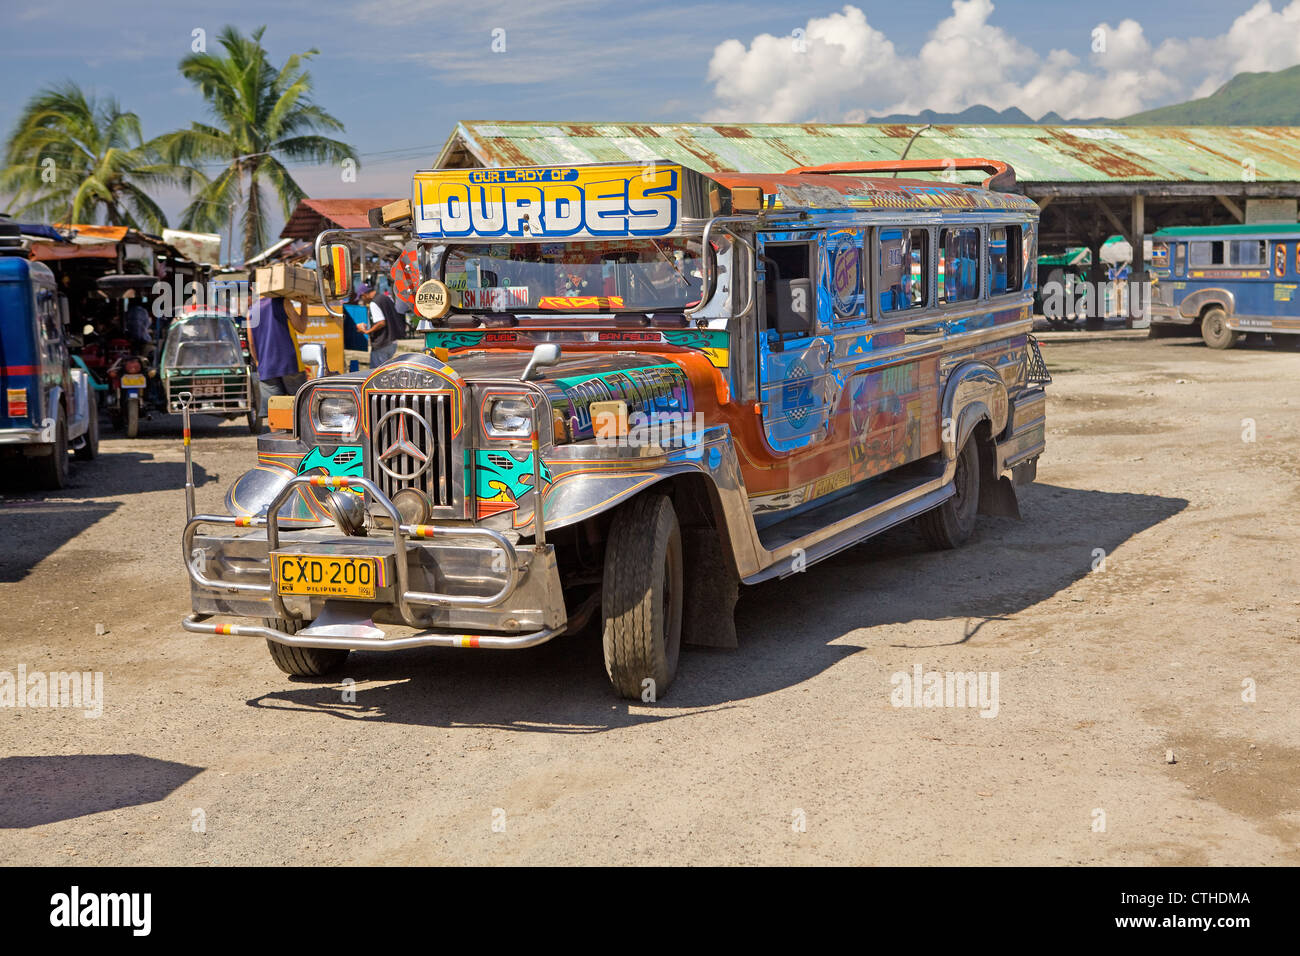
(433, 440)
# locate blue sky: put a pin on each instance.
(400, 73)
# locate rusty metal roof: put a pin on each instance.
(1040, 154)
(311, 216)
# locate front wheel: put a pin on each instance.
(89, 449)
(952, 523)
(1215, 331)
(641, 598)
(303, 661)
(254, 410)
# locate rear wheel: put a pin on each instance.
(53, 471)
(90, 448)
(131, 417)
(1215, 331)
(953, 522)
(303, 661)
(641, 598)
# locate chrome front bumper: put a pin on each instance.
(457, 586)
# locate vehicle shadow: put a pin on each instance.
(35, 523)
(36, 790)
(787, 628)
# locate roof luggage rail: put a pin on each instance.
(1002, 177)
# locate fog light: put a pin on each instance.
(412, 506)
(348, 511)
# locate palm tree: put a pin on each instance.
(262, 117)
(76, 158)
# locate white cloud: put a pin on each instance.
(839, 67)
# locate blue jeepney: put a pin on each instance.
(49, 403)
(1227, 281)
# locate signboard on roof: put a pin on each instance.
(611, 201)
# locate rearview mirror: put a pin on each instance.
(543, 355)
(336, 269)
(313, 355)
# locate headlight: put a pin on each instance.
(510, 418)
(335, 413)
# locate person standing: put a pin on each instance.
(139, 326)
(386, 324)
(271, 347)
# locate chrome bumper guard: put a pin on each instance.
(199, 624)
(406, 599)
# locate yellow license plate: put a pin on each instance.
(133, 381)
(327, 577)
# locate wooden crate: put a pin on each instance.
(288, 281)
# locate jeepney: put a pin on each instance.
(49, 398)
(203, 363)
(642, 386)
(1229, 281)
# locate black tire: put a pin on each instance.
(641, 596)
(303, 661)
(131, 418)
(52, 474)
(952, 523)
(254, 410)
(1215, 332)
(1059, 324)
(89, 449)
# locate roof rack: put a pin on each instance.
(1002, 177)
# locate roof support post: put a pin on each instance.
(1232, 207)
(1138, 294)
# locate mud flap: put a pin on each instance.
(999, 498)
(712, 589)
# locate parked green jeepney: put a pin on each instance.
(202, 356)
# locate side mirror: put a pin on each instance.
(313, 355)
(336, 269)
(543, 355)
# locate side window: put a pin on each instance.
(1247, 252)
(844, 261)
(904, 257)
(1205, 254)
(1279, 260)
(789, 295)
(959, 264)
(47, 310)
(1180, 258)
(1004, 259)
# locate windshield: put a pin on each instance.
(202, 341)
(641, 275)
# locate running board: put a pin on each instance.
(876, 508)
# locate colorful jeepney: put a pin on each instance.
(1227, 281)
(642, 386)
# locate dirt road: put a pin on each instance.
(1146, 603)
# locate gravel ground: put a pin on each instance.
(1183, 639)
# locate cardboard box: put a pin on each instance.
(288, 281)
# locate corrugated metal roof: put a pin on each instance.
(1040, 154)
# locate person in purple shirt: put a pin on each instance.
(272, 349)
